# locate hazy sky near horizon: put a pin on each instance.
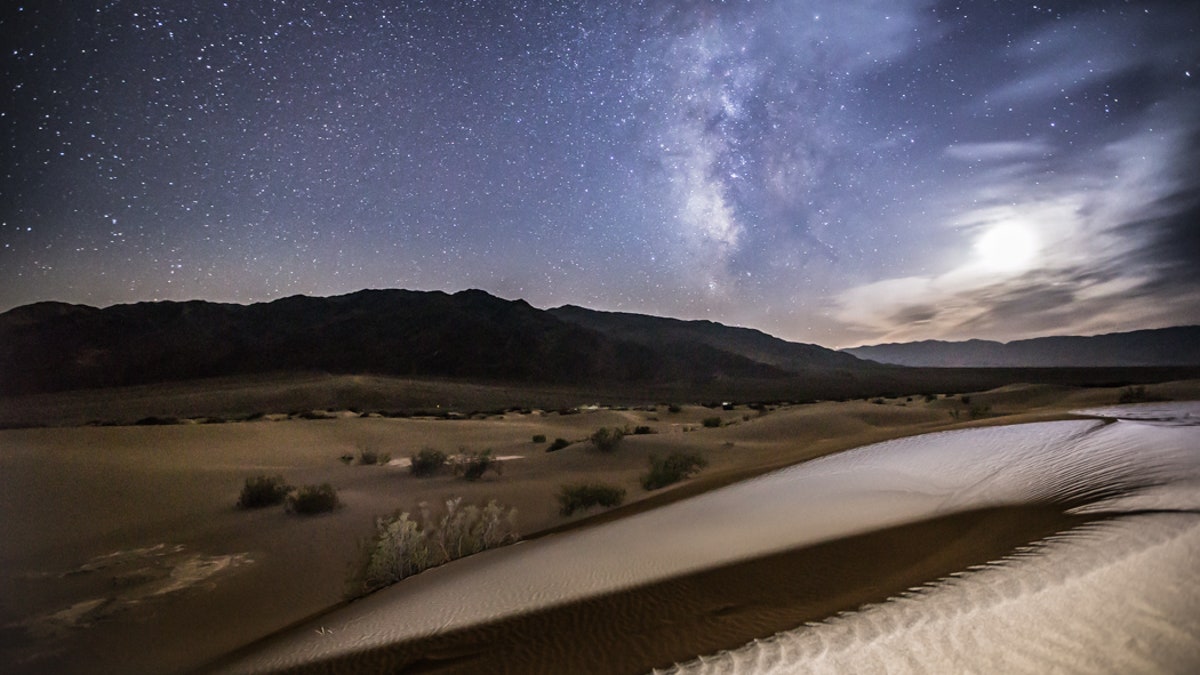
(831, 172)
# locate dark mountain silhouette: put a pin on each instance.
(52, 346)
(752, 344)
(1179, 346)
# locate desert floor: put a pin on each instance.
(123, 549)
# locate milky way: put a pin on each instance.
(829, 172)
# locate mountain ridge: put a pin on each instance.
(1153, 347)
(52, 346)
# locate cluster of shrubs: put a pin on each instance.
(313, 499)
(427, 462)
(472, 465)
(583, 496)
(1137, 395)
(676, 467)
(467, 465)
(404, 545)
(368, 457)
(263, 491)
(606, 439)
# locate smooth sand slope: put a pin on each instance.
(124, 551)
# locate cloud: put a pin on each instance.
(1119, 246)
(997, 150)
(1071, 54)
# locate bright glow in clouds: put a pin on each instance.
(1007, 247)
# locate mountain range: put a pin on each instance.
(1162, 347)
(52, 346)
(474, 336)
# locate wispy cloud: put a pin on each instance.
(1119, 246)
(990, 151)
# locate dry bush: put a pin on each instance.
(313, 499)
(403, 546)
(674, 468)
(582, 496)
(263, 491)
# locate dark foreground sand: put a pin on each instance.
(124, 553)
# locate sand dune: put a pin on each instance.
(1090, 465)
(98, 520)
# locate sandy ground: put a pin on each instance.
(123, 550)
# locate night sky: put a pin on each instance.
(830, 172)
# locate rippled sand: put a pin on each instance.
(856, 527)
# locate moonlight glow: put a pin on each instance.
(1007, 247)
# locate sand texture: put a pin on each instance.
(124, 550)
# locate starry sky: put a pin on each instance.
(832, 172)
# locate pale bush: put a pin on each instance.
(465, 530)
(403, 546)
(401, 549)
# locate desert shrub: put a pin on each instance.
(711, 422)
(558, 444)
(930, 398)
(403, 546)
(263, 491)
(642, 430)
(878, 401)
(472, 465)
(153, 421)
(1136, 395)
(465, 530)
(312, 499)
(606, 439)
(673, 408)
(427, 462)
(399, 549)
(371, 457)
(674, 468)
(582, 496)
(539, 438)
(965, 399)
(347, 459)
(979, 410)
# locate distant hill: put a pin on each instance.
(470, 335)
(752, 344)
(1179, 346)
